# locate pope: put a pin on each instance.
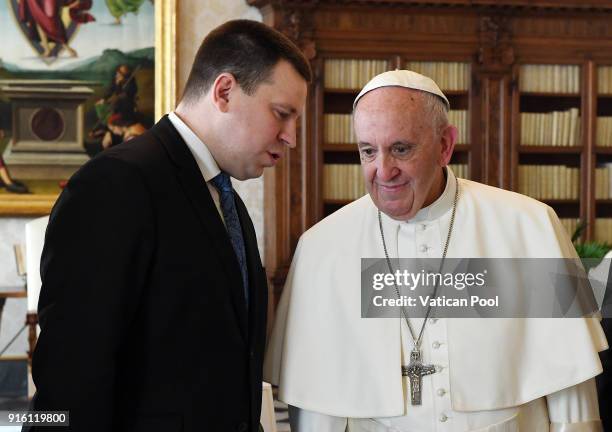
(338, 371)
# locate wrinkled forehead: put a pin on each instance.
(393, 106)
(391, 100)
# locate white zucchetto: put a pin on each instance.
(402, 78)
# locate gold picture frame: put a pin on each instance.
(165, 99)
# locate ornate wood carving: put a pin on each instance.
(295, 25)
(401, 25)
(496, 51)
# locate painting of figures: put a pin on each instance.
(76, 78)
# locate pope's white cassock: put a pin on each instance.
(340, 370)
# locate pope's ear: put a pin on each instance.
(222, 90)
(448, 138)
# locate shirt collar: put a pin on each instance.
(436, 209)
(207, 164)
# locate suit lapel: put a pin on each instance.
(195, 188)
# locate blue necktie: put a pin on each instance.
(228, 206)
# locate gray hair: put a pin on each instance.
(436, 108)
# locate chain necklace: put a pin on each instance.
(416, 369)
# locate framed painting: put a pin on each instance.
(76, 77)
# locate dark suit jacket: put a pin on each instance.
(604, 381)
(142, 309)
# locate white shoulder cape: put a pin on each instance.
(326, 358)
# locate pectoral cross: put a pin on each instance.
(415, 371)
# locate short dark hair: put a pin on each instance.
(248, 50)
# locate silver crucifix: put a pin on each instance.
(415, 371)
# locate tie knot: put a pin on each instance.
(222, 182)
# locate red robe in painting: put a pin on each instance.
(47, 14)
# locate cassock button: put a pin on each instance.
(423, 248)
(441, 392)
(436, 345)
(423, 227)
(443, 417)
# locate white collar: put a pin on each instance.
(436, 209)
(207, 164)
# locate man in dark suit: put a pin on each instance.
(153, 304)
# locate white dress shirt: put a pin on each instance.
(207, 164)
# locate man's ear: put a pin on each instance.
(222, 90)
(448, 138)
